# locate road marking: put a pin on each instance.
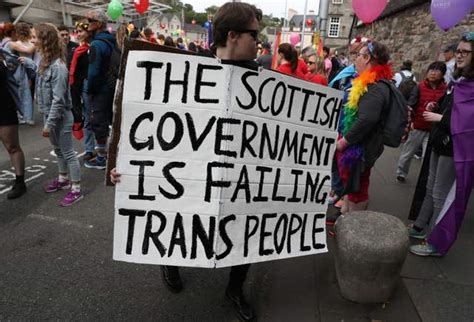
(27, 180)
(61, 221)
(34, 177)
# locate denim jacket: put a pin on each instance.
(19, 76)
(52, 92)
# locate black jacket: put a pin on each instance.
(440, 135)
(367, 129)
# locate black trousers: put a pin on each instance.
(101, 106)
(237, 276)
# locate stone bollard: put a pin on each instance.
(371, 248)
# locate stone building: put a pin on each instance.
(168, 24)
(407, 28)
(339, 23)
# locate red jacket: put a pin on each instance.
(317, 78)
(286, 69)
(426, 94)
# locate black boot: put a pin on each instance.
(170, 275)
(243, 309)
(18, 190)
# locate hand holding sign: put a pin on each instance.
(220, 165)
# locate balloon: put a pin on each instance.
(368, 10)
(294, 38)
(162, 25)
(193, 22)
(141, 5)
(448, 13)
(115, 9)
(309, 22)
(109, 29)
(206, 24)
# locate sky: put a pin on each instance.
(275, 7)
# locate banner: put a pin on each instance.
(221, 165)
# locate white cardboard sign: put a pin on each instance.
(221, 165)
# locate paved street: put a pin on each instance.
(56, 263)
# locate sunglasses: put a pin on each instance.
(89, 20)
(252, 32)
(311, 63)
(82, 25)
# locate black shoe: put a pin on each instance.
(401, 179)
(88, 156)
(170, 275)
(18, 190)
(240, 305)
(331, 218)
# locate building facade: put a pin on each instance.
(339, 23)
(410, 32)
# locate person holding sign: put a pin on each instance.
(361, 141)
(235, 42)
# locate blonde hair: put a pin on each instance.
(50, 45)
(319, 64)
(121, 35)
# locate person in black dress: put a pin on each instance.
(9, 133)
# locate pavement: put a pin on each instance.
(56, 263)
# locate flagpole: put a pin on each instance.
(304, 25)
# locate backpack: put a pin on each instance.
(113, 66)
(395, 119)
(406, 85)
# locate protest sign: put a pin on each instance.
(221, 165)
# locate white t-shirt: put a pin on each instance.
(398, 77)
(448, 77)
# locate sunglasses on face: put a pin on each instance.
(82, 25)
(91, 20)
(311, 62)
(253, 33)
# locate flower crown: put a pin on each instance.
(469, 36)
(364, 40)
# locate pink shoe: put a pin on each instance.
(71, 198)
(57, 185)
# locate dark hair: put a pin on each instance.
(148, 32)
(326, 49)
(161, 37)
(407, 65)
(438, 65)
(233, 16)
(169, 42)
(469, 71)
(378, 53)
(63, 28)
(290, 54)
(192, 47)
(179, 40)
(134, 34)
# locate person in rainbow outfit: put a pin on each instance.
(360, 142)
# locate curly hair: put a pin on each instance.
(50, 45)
(23, 31)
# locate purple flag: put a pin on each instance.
(445, 232)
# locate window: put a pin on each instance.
(334, 23)
(337, 1)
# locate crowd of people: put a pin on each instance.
(73, 84)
